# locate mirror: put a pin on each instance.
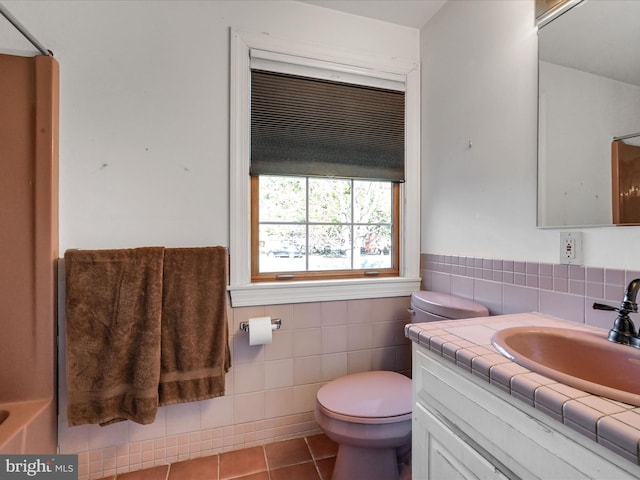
(588, 94)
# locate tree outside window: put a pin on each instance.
(306, 226)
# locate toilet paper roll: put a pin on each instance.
(260, 331)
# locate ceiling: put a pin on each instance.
(410, 13)
(600, 37)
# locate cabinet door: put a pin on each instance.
(440, 454)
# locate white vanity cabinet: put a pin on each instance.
(465, 428)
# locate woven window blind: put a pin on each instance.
(312, 127)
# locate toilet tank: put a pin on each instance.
(429, 306)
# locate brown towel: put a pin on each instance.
(113, 309)
(195, 346)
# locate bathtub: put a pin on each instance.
(19, 423)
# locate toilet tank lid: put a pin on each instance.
(446, 305)
(367, 394)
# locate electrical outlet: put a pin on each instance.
(571, 248)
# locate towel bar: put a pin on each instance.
(244, 326)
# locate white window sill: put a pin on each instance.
(274, 293)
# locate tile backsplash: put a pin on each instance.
(508, 286)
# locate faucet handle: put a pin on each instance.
(602, 306)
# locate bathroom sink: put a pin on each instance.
(583, 360)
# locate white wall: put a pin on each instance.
(144, 132)
(480, 83)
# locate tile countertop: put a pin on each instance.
(467, 343)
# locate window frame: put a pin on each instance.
(243, 291)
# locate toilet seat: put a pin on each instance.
(377, 397)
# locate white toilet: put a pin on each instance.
(369, 414)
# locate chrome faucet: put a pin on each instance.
(624, 331)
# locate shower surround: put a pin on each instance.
(29, 95)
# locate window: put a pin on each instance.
(333, 221)
(374, 269)
(311, 228)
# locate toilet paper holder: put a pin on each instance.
(244, 326)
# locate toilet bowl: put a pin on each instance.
(368, 414)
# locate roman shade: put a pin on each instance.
(316, 127)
